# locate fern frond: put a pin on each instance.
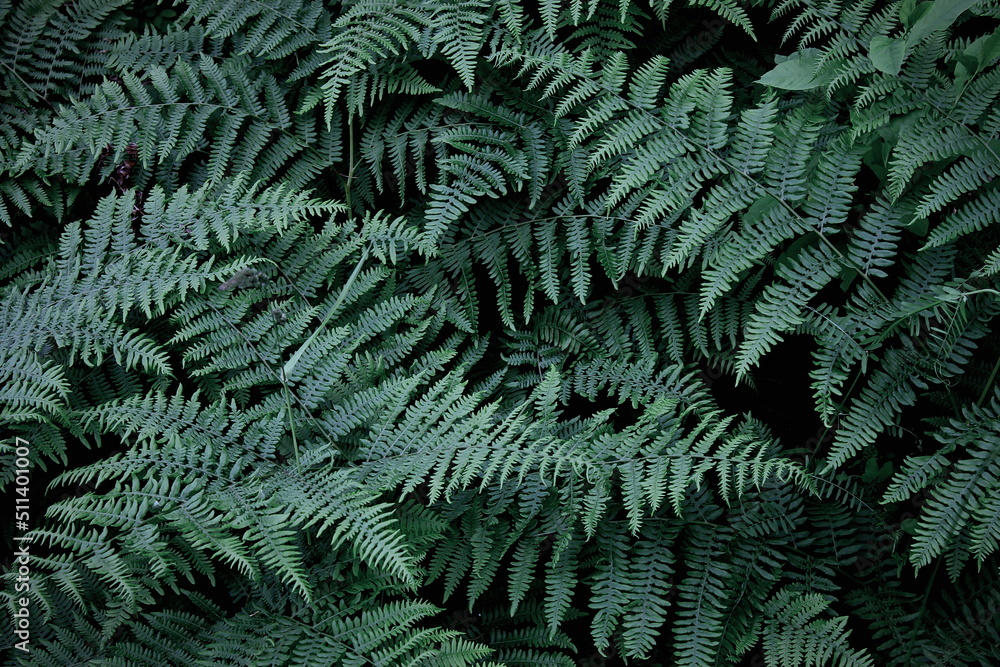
(270, 29)
(963, 504)
(780, 307)
(793, 636)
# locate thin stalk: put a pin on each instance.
(291, 421)
(989, 383)
(350, 160)
(286, 371)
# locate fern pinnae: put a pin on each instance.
(492, 405)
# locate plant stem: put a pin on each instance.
(290, 365)
(291, 421)
(350, 166)
(989, 383)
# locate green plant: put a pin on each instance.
(328, 322)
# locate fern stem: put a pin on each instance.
(947, 114)
(826, 429)
(30, 89)
(989, 383)
(927, 593)
(290, 365)
(291, 421)
(350, 162)
(847, 262)
(279, 376)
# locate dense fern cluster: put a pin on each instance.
(376, 332)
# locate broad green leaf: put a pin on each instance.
(919, 226)
(976, 56)
(906, 9)
(798, 72)
(871, 470)
(985, 49)
(887, 53)
(934, 16)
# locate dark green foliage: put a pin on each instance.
(376, 333)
